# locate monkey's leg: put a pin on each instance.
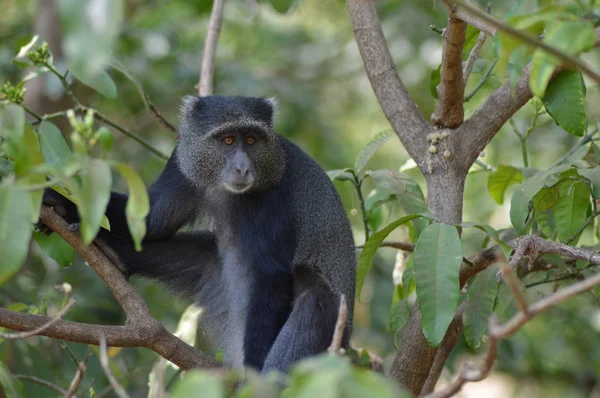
(309, 329)
(184, 262)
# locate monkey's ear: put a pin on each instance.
(189, 105)
(271, 112)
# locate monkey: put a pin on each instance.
(271, 271)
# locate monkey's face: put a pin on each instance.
(237, 159)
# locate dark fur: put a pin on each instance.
(271, 274)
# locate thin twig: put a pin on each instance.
(406, 246)
(38, 330)
(210, 49)
(41, 382)
(340, 326)
(119, 390)
(568, 59)
(486, 76)
(474, 54)
(81, 367)
(161, 119)
(105, 120)
(498, 332)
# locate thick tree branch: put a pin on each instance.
(398, 107)
(449, 112)
(461, 13)
(38, 330)
(142, 330)
(210, 49)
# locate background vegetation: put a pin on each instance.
(306, 56)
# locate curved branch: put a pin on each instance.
(210, 49)
(398, 107)
(141, 330)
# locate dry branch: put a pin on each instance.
(474, 54)
(210, 49)
(161, 119)
(340, 327)
(117, 388)
(141, 330)
(42, 382)
(449, 112)
(81, 367)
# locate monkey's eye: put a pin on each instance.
(228, 140)
(250, 140)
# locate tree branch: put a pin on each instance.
(340, 327)
(498, 332)
(461, 13)
(117, 388)
(161, 119)
(141, 330)
(474, 54)
(449, 112)
(38, 330)
(210, 49)
(81, 367)
(42, 382)
(398, 107)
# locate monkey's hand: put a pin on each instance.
(61, 205)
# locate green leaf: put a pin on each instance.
(196, 381)
(282, 6)
(570, 37)
(346, 174)
(412, 201)
(437, 259)
(22, 54)
(138, 204)
(56, 248)
(501, 179)
(53, 144)
(99, 81)
(118, 65)
(365, 259)
(94, 197)
(545, 199)
(434, 81)
(15, 229)
(519, 210)
(399, 316)
(388, 179)
(564, 102)
(570, 212)
(481, 298)
(11, 385)
(593, 175)
(545, 220)
(365, 154)
(471, 37)
(377, 212)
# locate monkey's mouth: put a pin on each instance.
(237, 187)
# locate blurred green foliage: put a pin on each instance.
(308, 60)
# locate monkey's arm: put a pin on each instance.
(183, 262)
(173, 202)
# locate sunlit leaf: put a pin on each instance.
(341, 174)
(570, 37)
(138, 204)
(388, 179)
(571, 210)
(545, 199)
(480, 304)
(15, 229)
(195, 381)
(365, 259)
(365, 154)
(56, 248)
(501, 179)
(53, 144)
(94, 196)
(564, 102)
(437, 259)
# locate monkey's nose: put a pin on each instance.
(242, 169)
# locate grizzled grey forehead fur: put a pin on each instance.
(204, 114)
